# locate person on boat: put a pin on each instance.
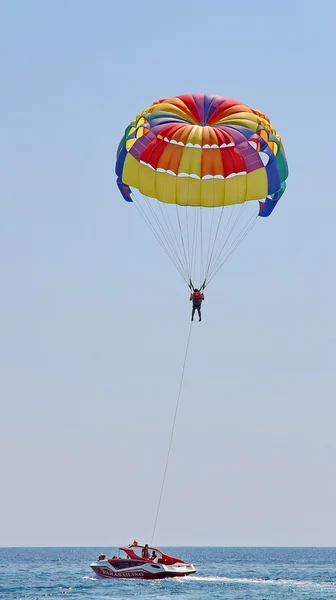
(102, 557)
(145, 553)
(154, 555)
(197, 298)
(135, 543)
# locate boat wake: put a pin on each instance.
(264, 580)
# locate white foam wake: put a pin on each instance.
(284, 582)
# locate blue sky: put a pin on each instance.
(94, 318)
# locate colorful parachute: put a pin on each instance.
(197, 161)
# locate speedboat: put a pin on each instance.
(135, 562)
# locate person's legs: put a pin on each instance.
(192, 313)
(199, 313)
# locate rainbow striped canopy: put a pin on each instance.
(202, 150)
(196, 152)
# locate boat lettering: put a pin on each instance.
(108, 573)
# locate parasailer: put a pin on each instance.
(197, 298)
(193, 165)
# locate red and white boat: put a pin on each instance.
(133, 565)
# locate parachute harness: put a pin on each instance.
(172, 432)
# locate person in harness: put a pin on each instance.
(197, 298)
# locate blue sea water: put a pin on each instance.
(226, 573)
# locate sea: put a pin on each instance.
(226, 573)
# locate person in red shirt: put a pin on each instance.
(197, 298)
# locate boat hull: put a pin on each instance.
(148, 571)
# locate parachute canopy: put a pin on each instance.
(196, 152)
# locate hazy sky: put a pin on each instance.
(94, 318)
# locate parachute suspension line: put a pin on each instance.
(198, 241)
(210, 235)
(193, 249)
(214, 243)
(182, 241)
(208, 251)
(234, 247)
(178, 250)
(236, 243)
(224, 239)
(233, 209)
(210, 243)
(190, 239)
(162, 244)
(221, 247)
(167, 236)
(170, 243)
(190, 211)
(201, 250)
(152, 228)
(176, 247)
(192, 225)
(172, 433)
(187, 227)
(194, 246)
